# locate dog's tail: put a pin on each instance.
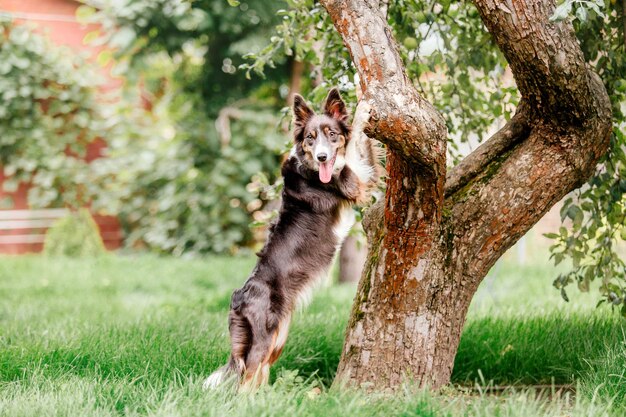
(228, 372)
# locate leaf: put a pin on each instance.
(558, 258)
(233, 3)
(104, 57)
(551, 235)
(596, 8)
(122, 38)
(84, 14)
(581, 13)
(562, 11)
(575, 213)
(590, 274)
(91, 36)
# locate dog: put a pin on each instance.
(328, 170)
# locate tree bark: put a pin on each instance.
(436, 234)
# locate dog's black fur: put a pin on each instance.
(300, 248)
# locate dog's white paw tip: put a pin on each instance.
(362, 115)
(364, 107)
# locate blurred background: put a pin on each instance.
(159, 125)
(137, 112)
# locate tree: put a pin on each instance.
(179, 175)
(439, 230)
(436, 234)
(213, 33)
(472, 89)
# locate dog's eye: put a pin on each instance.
(332, 134)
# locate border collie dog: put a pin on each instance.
(327, 171)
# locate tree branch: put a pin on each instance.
(222, 123)
(545, 58)
(515, 131)
(401, 118)
(565, 128)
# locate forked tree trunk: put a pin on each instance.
(437, 233)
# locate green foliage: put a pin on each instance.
(564, 9)
(179, 174)
(596, 214)
(320, 47)
(176, 184)
(212, 34)
(456, 66)
(75, 235)
(173, 179)
(48, 116)
(471, 88)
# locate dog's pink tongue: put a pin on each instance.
(326, 171)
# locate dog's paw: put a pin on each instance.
(350, 185)
(362, 116)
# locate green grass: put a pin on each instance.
(137, 335)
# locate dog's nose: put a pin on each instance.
(321, 157)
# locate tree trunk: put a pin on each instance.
(436, 234)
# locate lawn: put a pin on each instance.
(136, 335)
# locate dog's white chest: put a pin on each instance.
(341, 228)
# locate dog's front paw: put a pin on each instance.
(350, 185)
(362, 116)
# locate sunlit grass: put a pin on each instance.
(136, 336)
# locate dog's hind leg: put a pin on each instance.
(240, 339)
(257, 365)
(281, 338)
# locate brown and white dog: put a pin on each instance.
(328, 171)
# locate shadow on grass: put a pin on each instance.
(545, 349)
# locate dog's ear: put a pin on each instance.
(302, 113)
(335, 107)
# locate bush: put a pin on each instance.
(49, 113)
(76, 235)
(176, 183)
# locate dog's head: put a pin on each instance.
(320, 139)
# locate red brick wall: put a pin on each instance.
(56, 19)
